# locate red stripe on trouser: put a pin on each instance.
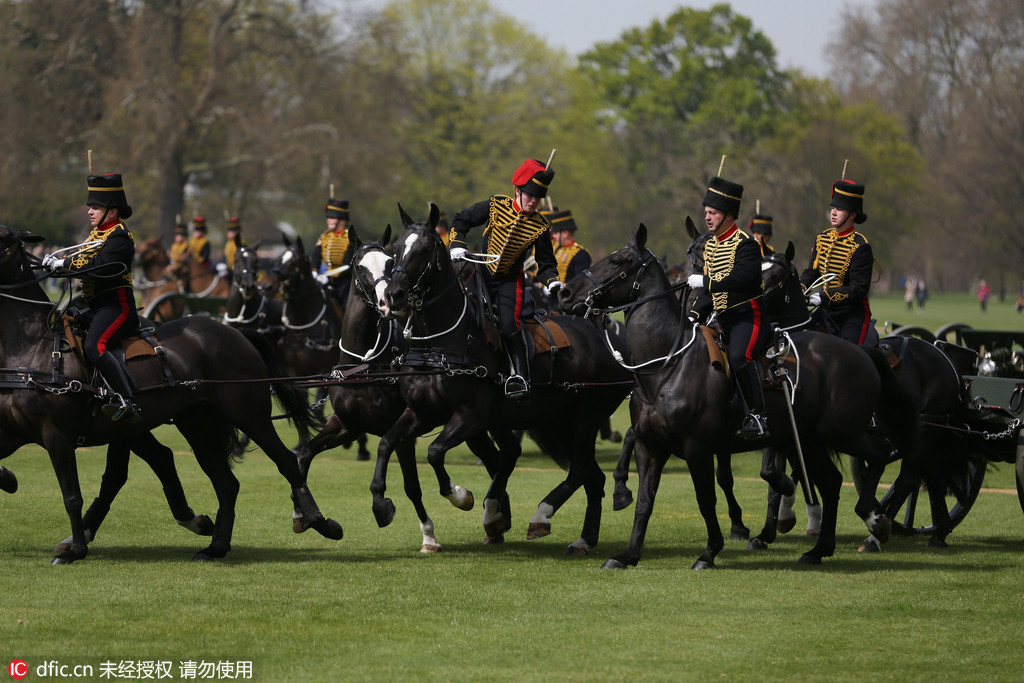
(519, 301)
(755, 332)
(122, 300)
(866, 324)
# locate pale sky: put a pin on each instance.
(799, 29)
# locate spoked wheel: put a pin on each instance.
(910, 509)
(955, 329)
(915, 331)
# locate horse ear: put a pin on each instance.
(287, 242)
(238, 240)
(640, 238)
(353, 237)
(406, 220)
(256, 246)
(298, 244)
(28, 238)
(790, 251)
(385, 239)
(435, 215)
(691, 229)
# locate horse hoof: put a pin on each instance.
(384, 512)
(8, 482)
(496, 539)
(328, 528)
(615, 437)
(935, 542)
(63, 558)
(363, 456)
(757, 544)
(881, 528)
(622, 501)
(576, 551)
(784, 526)
(612, 563)
(703, 564)
(428, 548)
(201, 525)
(496, 527)
(870, 545)
(201, 557)
(538, 530)
(739, 533)
(813, 533)
(807, 558)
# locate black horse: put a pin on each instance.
(683, 403)
(247, 304)
(942, 460)
(212, 381)
(451, 378)
(366, 399)
(312, 321)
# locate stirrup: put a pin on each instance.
(754, 426)
(118, 409)
(516, 387)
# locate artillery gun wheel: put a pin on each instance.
(910, 511)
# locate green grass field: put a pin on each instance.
(371, 607)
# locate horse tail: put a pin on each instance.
(899, 408)
(293, 398)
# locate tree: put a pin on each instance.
(952, 72)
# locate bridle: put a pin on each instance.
(417, 294)
(286, 283)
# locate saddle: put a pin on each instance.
(770, 367)
(141, 350)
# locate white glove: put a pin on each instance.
(222, 269)
(321, 278)
(695, 281)
(458, 253)
(52, 263)
(814, 299)
(553, 287)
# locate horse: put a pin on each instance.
(927, 371)
(451, 377)
(247, 305)
(208, 379)
(198, 280)
(683, 403)
(154, 280)
(310, 319)
(367, 395)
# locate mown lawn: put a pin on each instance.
(299, 607)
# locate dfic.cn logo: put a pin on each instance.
(18, 668)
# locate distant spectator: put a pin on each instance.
(910, 292)
(1020, 298)
(983, 292)
(922, 294)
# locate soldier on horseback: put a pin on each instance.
(846, 255)
(333, 251)
(105, 268)
(514, 226)
(761, 230)
(198, 244)
(732, 278)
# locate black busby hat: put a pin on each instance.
(181, 229)
(233, 224)
(108, 190)
(561, 221)
(849, 196)
(761, 223)
(337, 208)
(199, 223)
(724, 196)
(533, 178)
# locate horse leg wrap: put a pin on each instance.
(787, 518)
(813, 520)
(430, 544)
(540, 523)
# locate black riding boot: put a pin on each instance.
(122, 404)
(748, 384)
(518, 383)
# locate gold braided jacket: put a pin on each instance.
(737, 276)
(847, 256)
(333, 247)
(564, 256)
(87, 258)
